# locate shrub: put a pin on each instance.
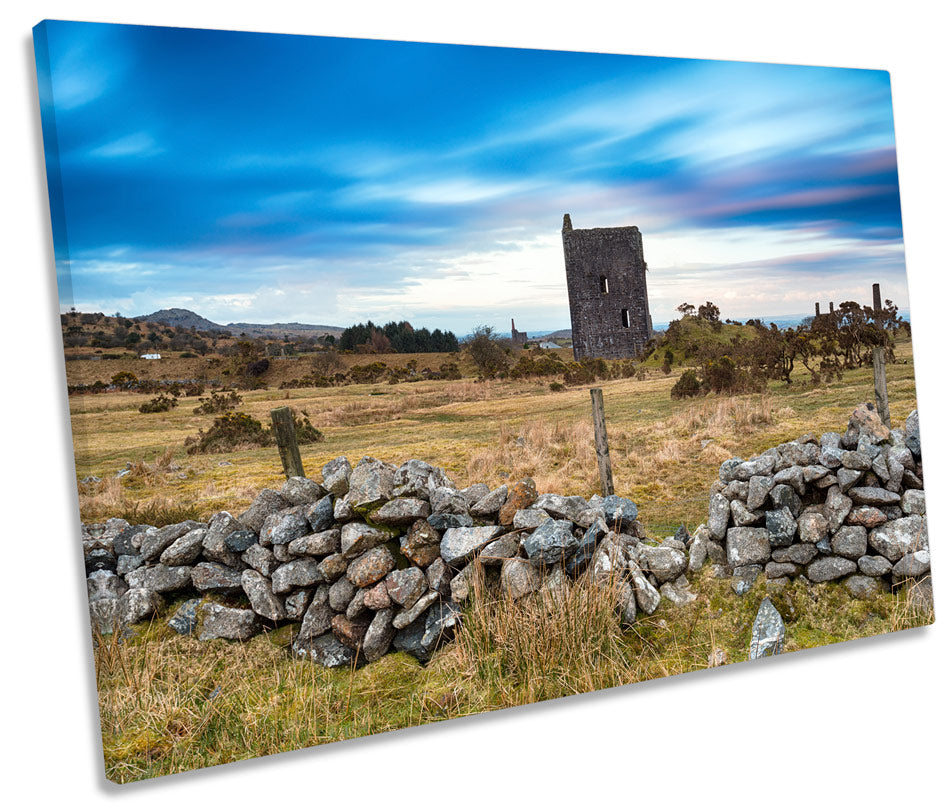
(688, 386)
(556, 386)
(123, 378)
(223, 401)
(256, 368)
(306, 432)
(162, 403)
(230, 432)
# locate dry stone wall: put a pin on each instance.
(373, 558)
(843, 507)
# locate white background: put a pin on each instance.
(858, 722)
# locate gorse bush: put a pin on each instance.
(688, 386)
(223, 401)
(162, 403)
(230, 432)
(306, 432)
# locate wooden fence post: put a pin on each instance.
(877, 356)
(600, 442)
(286, 434)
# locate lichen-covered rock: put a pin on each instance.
(874, 496)
(332, 567)
(349, 632)
(812, 528)
(316, 621)
(744, 577)
(850, 542)
(913, 502)
(619, 512)
(371, 567)
(912, 565)
(406, 586)
(325, 650)
(317, 544)
(747, 545)
(784, 496)
(240, 541)
(495, 552)
(830, 568)
(296, 603)
(371, 484)
(874, 565)
(209, 576)
(137, 605)
(157, 540)
(461, 544)
(719, 514)
(379, 635)
(298, 573)
(185, 619)
(768, 632)
(418, 478)
(401, 511)
(104, 584)
(521, 495)
(836, 508)
(421, 544)
(665, 563)
(796, 554)
(341, 594)
(519, 577)
(336, 476)
(298, 490)
(411, 613)
(678, 592)
(319, 514)
(461, 585)
(866, 516)
(217, 621)
(529, 519)
(475, 493)
(259, 592)
(862, 586)
(285, 526)
(491, 503)
(648, 598)
(446, 521)
(356, 538)
(377, 597)
(896, 538)
(439, 577)
(553, 541)
(912, 433)
(164, 579)
(781, 527)
(265, 504)
(261, 559)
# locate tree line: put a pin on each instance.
(396, 337)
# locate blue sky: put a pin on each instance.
(260, 177)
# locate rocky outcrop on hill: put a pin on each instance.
(843, 507)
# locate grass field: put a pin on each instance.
(169, 704)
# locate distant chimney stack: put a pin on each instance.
(567, 223)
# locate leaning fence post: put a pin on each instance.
(600, 442)
(877, 356)
(286, 435)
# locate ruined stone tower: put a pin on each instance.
(607, 290)
(518, 338)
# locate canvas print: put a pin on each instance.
(410, 381)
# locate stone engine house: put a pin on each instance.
(607, 290)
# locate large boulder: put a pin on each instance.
(551, 542)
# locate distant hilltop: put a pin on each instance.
(188, 319)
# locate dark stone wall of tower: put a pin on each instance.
(607, 290)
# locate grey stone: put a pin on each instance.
(460, 586)
(785, 496)
(336, 476)
(298, 573)
(776, 569)
(866, 516)
(549, 543)
(356, 538)
(874, 565)
(796, 554)
(357, 608)
(912, 565)
(261, 595)
(862, 586)
(401, 511)
(697, 555)
(744, 577)
(296, 603)
(418, 478)
(768, 632)
(813, 473)
(747, 545)
(896, 538)
(447, 521)
(343, 509)
(741, 516)
(448, 500)
(619, 512)
(874, 496)
(912, 433)
(104, 614)
(793, 476)
(185, 619)
(217, 621)
(379, 635)
(847, 477)
(439, 577)
(677, 592)
(812, 528)
(648, 598)
(340, 594)
(266, 503)
(519, 577)
(529, 519)
(126, 563)
(830, 568)
(298, 490)
(490, 504)
(582, 556)
(209, 576)
(377, 597)
(836, 508)
(319, 515)
(136, 605)
(285, 526)
(495, 552)
(349, 632)
(240, 541)
(718, 516)
(913, 502)
(855, 460)
(759, 487)
(406, 586)
(461, 544)
(317, 544)
(781, 527)
(316, 621)
(332, 567)
(157, 540)
(664, 563)
(475, 493)
(570, 508)
(440, 623)
(850, 541)
(261, 559)
(164, 579)
(408, 615)
(325, 650)
(104, 584)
